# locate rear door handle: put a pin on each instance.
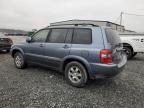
(65, 46)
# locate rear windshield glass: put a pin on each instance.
(112, 36)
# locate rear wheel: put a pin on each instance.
(19, 60)
(76, 74)
(128, 52)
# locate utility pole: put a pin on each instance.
(121, 18)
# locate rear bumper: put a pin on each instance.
(107, 70)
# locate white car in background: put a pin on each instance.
(133, 43)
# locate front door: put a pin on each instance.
(35, 48)
(58, 46)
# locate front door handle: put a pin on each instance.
(65, 46)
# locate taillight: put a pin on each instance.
(106, 56)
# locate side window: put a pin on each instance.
(57, 36)
(82, 36)
(40, 36)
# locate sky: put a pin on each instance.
(36, 14)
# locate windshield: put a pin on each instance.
(112, 36)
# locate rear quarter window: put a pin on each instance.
(112, 36)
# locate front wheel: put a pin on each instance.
(76, 74)
(19, 60)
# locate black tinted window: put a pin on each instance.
(40, 36)
(112, 36)
(57, 36)
(82, 36)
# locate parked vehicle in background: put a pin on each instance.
(5, 43)
(133, 43)
(81, 51)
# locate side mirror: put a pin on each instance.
(28, 39)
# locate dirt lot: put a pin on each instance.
(39, 87)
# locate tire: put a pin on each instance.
(76, 74)
(19, 60)
(128, 52)
(134, 54)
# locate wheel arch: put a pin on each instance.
(16, 50)
(128, 45)
(77, 59)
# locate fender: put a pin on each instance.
(15, 48)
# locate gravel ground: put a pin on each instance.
(40, 87)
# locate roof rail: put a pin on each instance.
(77, 24)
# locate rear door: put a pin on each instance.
(116, 45)
(82, 44)
(58, 46)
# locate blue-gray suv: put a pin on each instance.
(82, 52)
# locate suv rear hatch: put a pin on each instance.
(114, 40)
